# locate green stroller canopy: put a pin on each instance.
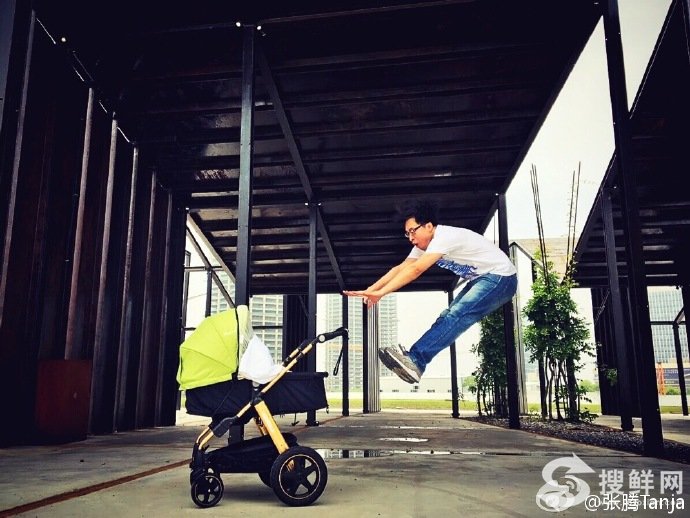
(211, 353)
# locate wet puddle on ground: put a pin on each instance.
(403, 439)
(363, 454)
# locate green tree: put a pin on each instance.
(490, 378)
(556, 339)
(589, 386)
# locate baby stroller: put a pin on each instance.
(208, 373)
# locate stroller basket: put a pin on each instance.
(294, 392)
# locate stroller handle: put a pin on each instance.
(324, 337)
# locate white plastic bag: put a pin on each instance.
(257, 363)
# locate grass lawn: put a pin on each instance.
(445, 404)
(412, 404)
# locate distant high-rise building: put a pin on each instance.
(664, 305)
(266, 312)
(267, 321)
(388, 336)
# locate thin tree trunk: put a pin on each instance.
(550, 387)
(542, 387)
(557, 389)
(572, 389)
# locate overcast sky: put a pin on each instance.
(579, 129)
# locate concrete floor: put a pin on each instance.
(401, 464)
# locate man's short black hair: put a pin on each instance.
(423, 211)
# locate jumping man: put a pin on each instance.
(491, 282)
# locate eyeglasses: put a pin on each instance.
(413, 231)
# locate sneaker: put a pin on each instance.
(393, 366)
(401, 364)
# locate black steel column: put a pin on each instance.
(685, 290)
(311, 305)
(620, 344)
(11, 198)
(686, 19)
(346, 356)
(311, 295)
(295, 325)
(163, 392)
(681, 368)
(641, 328)
(244, 217)
(209, 292)
(454, 371)
(123, 356)
(509, 325)
(145, 402)
(100, 422)
(597, 295)
(365, 360)
(70, 346)
(172, 316)
(244, 227)
(7, 21)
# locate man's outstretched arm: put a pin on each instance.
(390, 275)
(396, 278)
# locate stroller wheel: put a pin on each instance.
(207, 491)
(299, 476)
(265, 477)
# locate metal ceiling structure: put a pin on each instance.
(659, 127)
(352, 108)
(358, 106)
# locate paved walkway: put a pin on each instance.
(390, 464)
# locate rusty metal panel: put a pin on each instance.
(62, 400)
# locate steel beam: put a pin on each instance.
(519, 338)
(71, 351)
(641, 329)
(296, 155)
(172, 314)
(623, 358)
(509, 325)
(363, 194)
(208, 267)
(346, 356)
(192, 224)
(311, 297)
(602, 332)
(365, 360)
(164, 355)
(145, 402)
(244, 225)
(686, 20)
(454, 371)
(681, 369)
(100, 346)
(14, 178)
(209, 292)
(7, 20)
(123, 355)
(685, 290)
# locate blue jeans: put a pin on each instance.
(479, 298)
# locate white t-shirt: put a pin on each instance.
(466, 253)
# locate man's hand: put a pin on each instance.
(369, 297)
